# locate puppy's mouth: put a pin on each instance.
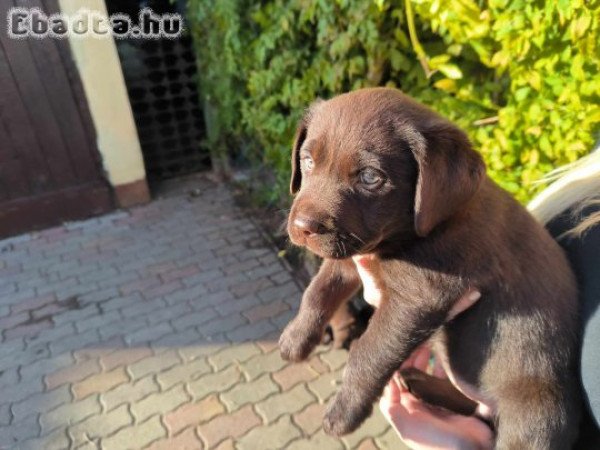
(330, 244)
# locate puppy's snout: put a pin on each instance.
(307, 226)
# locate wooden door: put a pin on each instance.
(50, 168)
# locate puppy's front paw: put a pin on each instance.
(343, 417)
(297, 341)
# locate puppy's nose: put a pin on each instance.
(307, 226)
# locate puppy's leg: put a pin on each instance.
(334, 284)
(537, 415)
(393, 333)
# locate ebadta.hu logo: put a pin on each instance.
(34, 23)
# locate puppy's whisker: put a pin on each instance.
(358, 239)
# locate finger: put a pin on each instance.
(438, 369)
(422, 358)
(409, 361)
(400, 382)
(390, 399)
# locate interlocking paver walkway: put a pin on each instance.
(157, 328)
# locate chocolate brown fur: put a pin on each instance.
(438, 226)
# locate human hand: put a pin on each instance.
(424, 427)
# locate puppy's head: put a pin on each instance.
(374, 165)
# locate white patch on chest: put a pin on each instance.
(372, 289)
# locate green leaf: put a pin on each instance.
(451, 71)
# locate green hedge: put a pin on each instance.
(521, 77)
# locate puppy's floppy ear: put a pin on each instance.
(450, 173)
(299, 139)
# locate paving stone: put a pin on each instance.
(143, 307)
(177, 339)
(233, 354)
(74, 341)
(99, 383)
(374, 426)
(19, 431)
(154, 364)
(264, 311)
(183, 373)
(159, 403)
(203, 277)
(138, 285)
(36, 361)
(95, 353)
(192, 414)
(228, 426)
(223, 325)
(5, 414)
(269, 342)
(137, 436)
(310, 419)
(288, 402)
(317, 364)
(144, 335)
(251, 331)
(188, 294)
(250, 287)
(129, 392)
(8, 378)
(227, 444)
(57, 440)
(390, 441)
(124, 357)
(70, 413)
(293, 374)
(42, 402)
(28, 329)
(320, 440)
(32, 303)
(97, 321)
(27, 388)
(283, 319)
(271, 362)
(186, 440)
(236, 305)
(123, 327)
(53, 334)
(120, 302)
(202, 351)
(13, 320)
(15, 346)
(168, 313)
(325, 386)
(335, 358)
(270, 437)
(216, 382)
(367, 444)
(250, 392)
(77, 314)
(99, 426)
(72, 374)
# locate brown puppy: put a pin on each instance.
(392, 195)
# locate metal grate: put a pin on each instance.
(161, 81)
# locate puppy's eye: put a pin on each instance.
(307, 163)
(370, 177)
